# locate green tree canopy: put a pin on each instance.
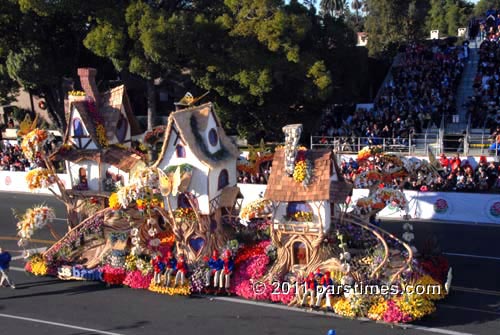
(448, 15)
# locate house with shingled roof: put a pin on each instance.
(98, 138)
(303, 212)
(194, 137)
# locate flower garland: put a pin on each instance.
(178, 290)
(33, 143)
(98, 122)
(75, 93)
(33, 219)
(114, 202)
(303, 170)
(301, 216)
(39, 178)
(256, 208)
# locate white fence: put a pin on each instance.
(12, 181)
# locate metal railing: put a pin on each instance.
(418, 143)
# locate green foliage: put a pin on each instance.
(391, 23)
(448, 15)
(484, 5)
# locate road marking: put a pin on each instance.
(13, 238)
(57, 324)
(475, 290)
(296, 309)
(29, 251)
(471, 256)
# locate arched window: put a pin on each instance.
(121, 129)
(180, 151)
(212, 137)
(299, 253)
(223, 179)
(83, 184)
(77, 127)
(299, 211)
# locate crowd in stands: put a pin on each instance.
(455, 174)
(421, 91)
(12, 158)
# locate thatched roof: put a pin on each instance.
(184, 122)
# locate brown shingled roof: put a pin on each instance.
(121, 158)
(282, 187)
(113, 100)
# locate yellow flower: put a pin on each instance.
(113, 201)
(101, 135)
(38, 267)
(377, 310)
(343, 307)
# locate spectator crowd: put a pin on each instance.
(455, 174)
(422, 90)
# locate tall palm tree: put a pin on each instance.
(335, 8)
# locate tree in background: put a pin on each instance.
(483, 6)
(41, 45)
(334, 8)
(448, 15)
(392, 23)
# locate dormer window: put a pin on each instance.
(77, 128)
(180, 151)
(212, 137)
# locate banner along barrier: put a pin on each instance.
(444, 206)
(15, 181)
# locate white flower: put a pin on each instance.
(135, 240)
(134, 232)
(345, 268)
(152, 232)
(414, 249)
(408, 226)
(408, 237)
(154, 242)
(447, 285)
(348, 293)
(345, 256)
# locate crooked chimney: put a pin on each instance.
(292, 136)
(87, 79)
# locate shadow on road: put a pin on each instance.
(81, 289)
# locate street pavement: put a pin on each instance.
(50, 306)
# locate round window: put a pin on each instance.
(212, 137)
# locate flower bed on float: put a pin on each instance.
(141, 253)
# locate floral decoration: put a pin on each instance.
(33, 219)
(303, 170)
(178, 290)
(112, 275)
(136, 279)
(39, 178)
(256, 208)
(33, 143)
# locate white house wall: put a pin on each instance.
(213, 180)
(198, 185)
(76, 114)
(211, 124)
(92, 173)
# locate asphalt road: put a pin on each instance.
(49, 306)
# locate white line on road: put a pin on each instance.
(471, 256)
(29, 251)
(65, 325)
(296, 309)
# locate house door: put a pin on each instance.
(299, 253)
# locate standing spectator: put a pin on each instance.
(4, 268)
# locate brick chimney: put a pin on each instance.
(292, 136)
(87, 79)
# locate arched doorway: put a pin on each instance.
(299, 253)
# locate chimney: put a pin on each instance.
(87, 79)
(292, 136)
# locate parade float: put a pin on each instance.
(177, 227)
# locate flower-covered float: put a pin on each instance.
(295, 246)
